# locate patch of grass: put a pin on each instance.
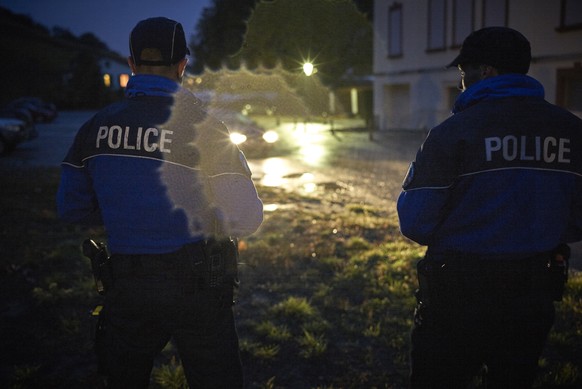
(170, 376)
(294, 308)
(326, 297)
(273, 332)
(312, 345)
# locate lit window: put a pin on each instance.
(494, 13)
(395, 30)
(107, 80)
(463, 21)
(123, 80)
(437, 24)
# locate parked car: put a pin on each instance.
(12, 132)
(18, 122)
(41, 111)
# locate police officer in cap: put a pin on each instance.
(170, 188)
(495, 192)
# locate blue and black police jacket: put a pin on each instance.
(502, 177)
(145, 168)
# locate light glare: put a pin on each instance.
(237, 138)
(271, 136)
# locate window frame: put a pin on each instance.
(484, 13)
(457, 41)
(441, 46)
(395, 11)
(563, 78)
(563, 27)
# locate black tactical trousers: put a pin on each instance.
(156, 298)
(477, 314)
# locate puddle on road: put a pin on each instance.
(280, 172)
(283, 173)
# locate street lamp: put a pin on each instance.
(308, 68)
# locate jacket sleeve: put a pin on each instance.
(426, 190)
(233, 194)
(419, 213)
(239, 209)
(76, 199)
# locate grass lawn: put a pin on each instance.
(326, 296)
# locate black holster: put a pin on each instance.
(219, 265)
(100, 264)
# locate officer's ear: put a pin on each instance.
(182, 67)
(131, 64)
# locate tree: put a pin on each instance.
(366, 7)
(219, 33)
(332, 34)
(85, 88)
(89, 39)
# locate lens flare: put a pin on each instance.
(237, 138)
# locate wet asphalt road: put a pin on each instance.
(371, 170)
(54, 139)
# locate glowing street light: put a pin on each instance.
(308, 68)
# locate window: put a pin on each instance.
(123, 80)
(463, 20)
(570, 15)
(395, 30)
(569, 89)
(107, 80)
(495, 13)
(437, 25)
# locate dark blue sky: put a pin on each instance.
(110, 20)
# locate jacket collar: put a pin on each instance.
(498, 87)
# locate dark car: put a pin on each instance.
(12, 132)
(41, 111)
(17, 124)
(251, 138)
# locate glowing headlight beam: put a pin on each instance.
(271, 136)
(237, 138)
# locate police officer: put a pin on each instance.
(495, 192)
(166, 182)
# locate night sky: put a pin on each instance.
(109, 20)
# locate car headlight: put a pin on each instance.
(237, 138)
(271, 136)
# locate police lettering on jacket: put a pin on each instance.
(150, 139)
(527, 148)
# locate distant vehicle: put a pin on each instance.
(12, 132)
(245, 133)
(41, 111)
(18, 121)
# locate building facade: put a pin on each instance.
(414, 40)
(115, 72)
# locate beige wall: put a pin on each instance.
(429, 83)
